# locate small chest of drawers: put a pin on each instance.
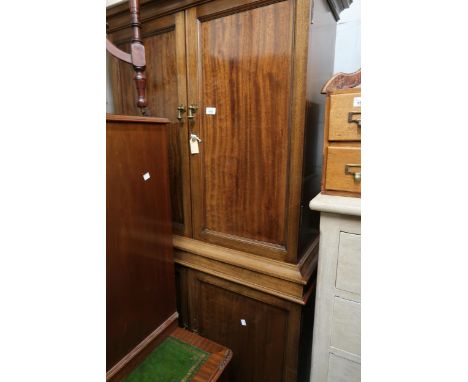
(342, 143)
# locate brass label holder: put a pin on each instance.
(356, 174)
(351, 118)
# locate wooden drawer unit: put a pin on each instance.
(342, 146)
(345, 116)
(343, 169)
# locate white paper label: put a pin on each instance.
(210, 111)
(194, 149)
(357, 102)
(243, 323)
(146, 176)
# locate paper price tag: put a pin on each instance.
(243, 322)
(210, 111)
(194, 149)
(146, 176)
(357, 102)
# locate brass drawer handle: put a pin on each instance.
(351, 118)
(357, 175)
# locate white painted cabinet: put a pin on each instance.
(336, 354)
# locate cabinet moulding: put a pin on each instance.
(287, 281)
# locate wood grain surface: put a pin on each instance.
(249, 59)
(139, 263)
(264, 344)
(240, 177)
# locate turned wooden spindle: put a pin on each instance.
(137, 54)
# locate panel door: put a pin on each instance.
(240, 74)
(262, 331)
(164, 40)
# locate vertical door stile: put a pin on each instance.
(298, 102)
(182, 84)
(194, 126)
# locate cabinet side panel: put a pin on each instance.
(140, 288)
(322, 36)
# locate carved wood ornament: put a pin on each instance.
(136, 57)
(342, 81)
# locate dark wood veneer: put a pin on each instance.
(139, 266)
(266, 349)
(241, 171)
(247, 58)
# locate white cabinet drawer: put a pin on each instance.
(346, 326)
(343, 370)
(348, 273)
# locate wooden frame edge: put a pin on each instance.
(143, 348)
(300, 49)
(295, 279)
(264, 265)
(257, 287)
(131, 118)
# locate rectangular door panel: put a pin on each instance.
(255, 331)
(243, 70)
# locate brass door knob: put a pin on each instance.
(180, 111)
(192, 111)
